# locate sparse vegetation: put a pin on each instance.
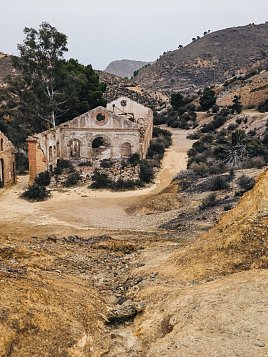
(85, 163)
(35, 192)
(62, 165)
(43, 179)
(246, 183)
(217, 183)
(263, 107)
(72, 179)
(209, 201)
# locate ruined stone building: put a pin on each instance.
(7, 162)
(122, 128)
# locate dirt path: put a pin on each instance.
(83, 208)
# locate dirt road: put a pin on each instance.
(85, 209)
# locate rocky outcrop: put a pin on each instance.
(125, 68)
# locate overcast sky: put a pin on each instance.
(100, 31)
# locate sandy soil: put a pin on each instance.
(85, 209)
(64, 264)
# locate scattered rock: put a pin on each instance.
(125, 312)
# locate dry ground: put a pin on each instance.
(65, 263)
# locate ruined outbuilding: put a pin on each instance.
(7, 162)
(122, 128)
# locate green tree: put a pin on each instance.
(177, 100)
(39, 65)
(49, 90)
(208, 99)
(82, 89)
(237, 106)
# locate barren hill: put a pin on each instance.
(125, 68)
(210, 59)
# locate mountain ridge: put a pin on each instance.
(209, 60)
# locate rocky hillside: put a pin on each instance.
(6, 67)
(124, 68)
(117, 87)
(210, 59)
(252, 89)
(206, 287)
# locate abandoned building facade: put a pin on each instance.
(122, 128)
(7, 162)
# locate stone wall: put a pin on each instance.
(7, 162)
(96, 135)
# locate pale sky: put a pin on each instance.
(100, 31)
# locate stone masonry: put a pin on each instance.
(123, 128)
(7, 162)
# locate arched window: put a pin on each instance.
(101, 148)
(1, 145)
(75, 148)
(50, 154)
(125, 150)
(58, 149)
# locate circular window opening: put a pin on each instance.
(123, 103)
(100, 117)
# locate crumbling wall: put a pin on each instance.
(37, 159)
(7, 162)
(74, 140)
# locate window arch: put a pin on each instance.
(101, 147)
(125, 150)
(75, 148)
(1, 145)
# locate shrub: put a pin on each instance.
(155, 148)
(199, 169)
(246, 183)
(146, 172)
(35, 192)
(134, 159)
(63, 164)
(208, 99)
(125, 184)
(257, 162)
(217, 183)
(263, 107)
(209, 201)
(106, 163)
(43, 179)
(100, 180)
(72, 179)
(194, 136)
(218, 121)
(85, 163)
